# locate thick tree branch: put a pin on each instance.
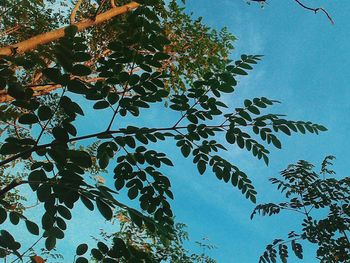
(74, 11)
(54, 35)
(12, 185)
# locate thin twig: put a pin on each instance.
(315, 10)
(31, 247)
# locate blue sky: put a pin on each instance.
(307, 67)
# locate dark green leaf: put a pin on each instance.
(81, 249)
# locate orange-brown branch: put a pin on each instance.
(51, 36)
(113, 3)
(10, 30)
(41, 90)
(74, 11)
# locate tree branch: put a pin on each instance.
(113, 4)
(74, 11)
(13, 184)
(316, 10)
(54, 35)
(93, 135)
(10, 31)
(41, 89)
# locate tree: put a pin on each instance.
(324, 203)
(152, 56)
(157, 246)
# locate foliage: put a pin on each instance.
(145, 66)
(324, 202)
(154, 246)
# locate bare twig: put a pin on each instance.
(316, 10)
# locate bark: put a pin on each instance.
(54, 35)
(74, 11)
(10, 31)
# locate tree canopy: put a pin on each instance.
(147, 54)
(324, 203)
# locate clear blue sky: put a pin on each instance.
(307, 67)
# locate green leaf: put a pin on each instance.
(53, 74)
(254, 109)
(64, 212)
(3, 215)
(133, 192)
(87, 202)
(266, 159)
(77, 86)
(284, 129)
(104, 209)
(81, 260)
(44, 192)
(60, 134)
(135, 217)
(201, 165)
(10, 148)
(101, 105)
(50, 243)
(96, 254)
(240, 142)
(161, 56)
(81, 158)
(81, 249)
(245, 115)
(276, 142)
(28, 119)
(252, 198)
(321, 128)
(102, 247)
(239, 71)
(44, 113)
(81, 57)
(80, 70)
(167, 161)
(14, 218)
(185, 150)
(103, 160)
(32, 227)
(230, 137)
